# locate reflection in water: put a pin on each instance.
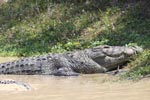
(84, 87)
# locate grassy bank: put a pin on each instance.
(33, 27)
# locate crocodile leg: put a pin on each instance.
(65, 72)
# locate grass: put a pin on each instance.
(34, 27)
(140, 66)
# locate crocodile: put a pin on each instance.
(24, 85)
(99, 59)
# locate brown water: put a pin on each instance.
(84, 87)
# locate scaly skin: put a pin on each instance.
(27, 87)
(99, 59)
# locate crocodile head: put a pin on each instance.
(112, 56)
(113, 51)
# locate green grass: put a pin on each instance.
(34, 27)
(140, 66)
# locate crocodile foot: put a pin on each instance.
(65, 72)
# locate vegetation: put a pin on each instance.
(140, 66)
(33, 27)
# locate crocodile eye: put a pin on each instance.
(106, 47)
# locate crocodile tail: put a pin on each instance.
(14, 67)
